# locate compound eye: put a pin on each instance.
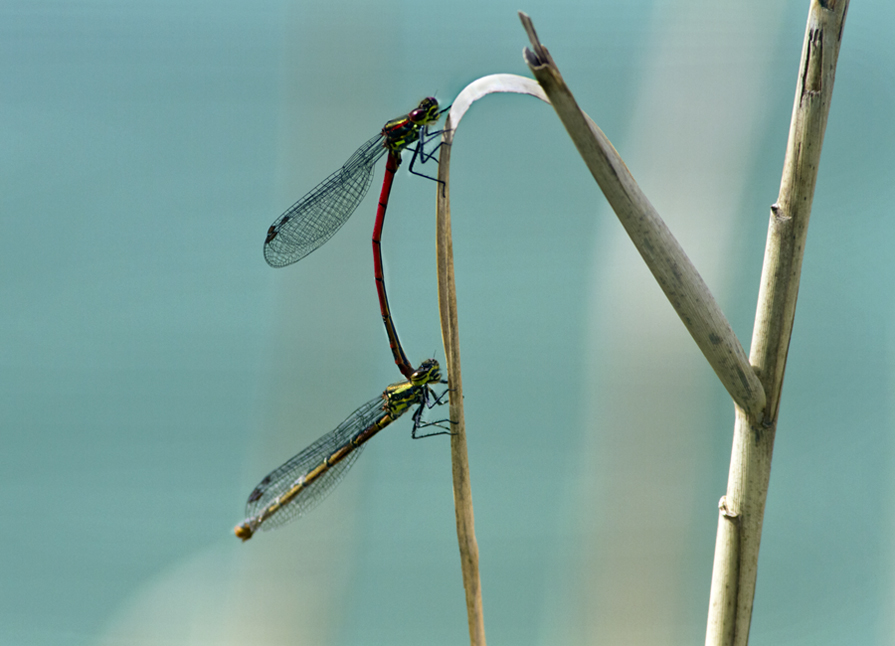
(425, 111)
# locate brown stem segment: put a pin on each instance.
(447, 301)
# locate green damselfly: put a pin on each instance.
(301, 483)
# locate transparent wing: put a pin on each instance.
(283, 478)
(314, 219)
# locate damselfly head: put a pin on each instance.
(425, 112)
(428, 372)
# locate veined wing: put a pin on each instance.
(314, 219)
(282, 479)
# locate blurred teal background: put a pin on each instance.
(153, 368)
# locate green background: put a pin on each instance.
(153, 368)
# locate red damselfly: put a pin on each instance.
(301, 483)
(316, 217)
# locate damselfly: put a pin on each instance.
(315, 218)
(299, 485)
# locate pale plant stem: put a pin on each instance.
(742, 508)
(755, 391)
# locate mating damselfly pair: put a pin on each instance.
(302, 482)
